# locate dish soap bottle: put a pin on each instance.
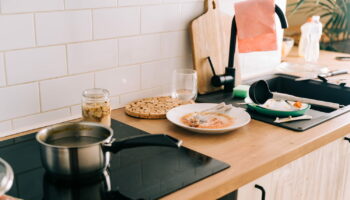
(309, 45)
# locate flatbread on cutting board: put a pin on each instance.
(153, 107)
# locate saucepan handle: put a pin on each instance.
(142, 140)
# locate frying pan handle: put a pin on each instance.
(142, 140)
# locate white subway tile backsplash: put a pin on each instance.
(116, 22)
(41, 118)
(90, 56)
(17, 31)
(190, 11)
(127, 98)
(175, 44)
(65, 91)
(115, 102)
(14, 6)
(151, 22)
(81, 4)
(76, 110)
(17, 101)
(5, 126)
(2, 71)
(63, 27)
(139, 49)
(159, 73)
(137, 2)
(120, 80)
(35, 64)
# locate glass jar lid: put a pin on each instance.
(6, 177)
(96, 94)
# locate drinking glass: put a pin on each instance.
(184, 84)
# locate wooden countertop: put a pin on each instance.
(252, 151)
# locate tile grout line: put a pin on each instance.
(35, 32)
(67, 64)
(92, 25)
(5, 70)
(40, 101)
(98, 70)
(95, 40)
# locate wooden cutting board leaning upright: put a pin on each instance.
(211, 34)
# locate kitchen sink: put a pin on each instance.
(283, 83)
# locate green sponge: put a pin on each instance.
(241, 91)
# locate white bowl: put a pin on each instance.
(239, 115)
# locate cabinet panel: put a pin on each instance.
(317, 175)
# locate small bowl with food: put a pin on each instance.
(201, 118)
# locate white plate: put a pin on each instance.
(239, 115)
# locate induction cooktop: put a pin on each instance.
(138, 173)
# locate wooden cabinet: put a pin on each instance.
(323, 175)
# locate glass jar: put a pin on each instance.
(96, 106)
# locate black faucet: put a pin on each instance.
(228, 79)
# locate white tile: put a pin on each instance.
(127, 98)
(175, 44)
(39, 119)
(19, 100)
(5, 126)
(76, 110)
(2, 71)
(65, 91)
(139, 49)
(116, 22)
(17, 31)
(159, 73)
(13, 6)
(137, 2)
(160, 18)
(115, 102)
(190, 11)
(90, 56)
(80, 4)
(63, 27)
(120, 80)
(35, 64)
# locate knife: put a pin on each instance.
(323, 75)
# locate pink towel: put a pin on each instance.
(256, 25)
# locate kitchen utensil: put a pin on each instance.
(290, 118)
(323, 75)
(184, 85)
(6, 177)
(220, 108)
(259, 93)
(211, 34)
(239, 115)
(342, 58)
(82, 149)
(287, 45)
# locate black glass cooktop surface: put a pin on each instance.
(138, 173)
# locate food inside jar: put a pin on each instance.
(209, 120)
(97, 112)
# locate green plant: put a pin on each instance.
(335, 15)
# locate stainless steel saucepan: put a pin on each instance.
(82, 149)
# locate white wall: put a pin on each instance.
(51, 50)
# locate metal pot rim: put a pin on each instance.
(44, 130)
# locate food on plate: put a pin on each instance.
(298, 104)
(153, 107)
(209, 120)
(283, 105)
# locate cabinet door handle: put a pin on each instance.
(347, 139)
(263, 192)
